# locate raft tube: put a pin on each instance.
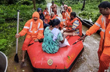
(62, 61)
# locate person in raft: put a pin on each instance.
(102, 23)
(74, 26)
(52, 37)
(34, 30)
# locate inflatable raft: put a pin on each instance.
(62, 61)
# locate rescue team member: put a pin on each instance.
(34, 30)
(47, 18)
(53, 7)
(45, 12)
(69, 10)
(103, 22)
(74, 26)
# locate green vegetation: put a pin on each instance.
(8, 17)
(90, 10)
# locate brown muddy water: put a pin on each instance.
(87, 62)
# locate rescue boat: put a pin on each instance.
(62, 61)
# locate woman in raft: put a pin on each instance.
(52, 37)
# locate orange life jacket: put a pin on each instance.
(45, 12)
(53, 17)
(70, 10)
(47, 19)
(70, 24)
(33, 29)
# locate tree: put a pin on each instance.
(34, 4)
(83, 6)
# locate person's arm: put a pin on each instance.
(92, 29)
(74, 26)
(82, 38)
(95, 27)
(69, 30)
(25, 29)
(61, 38)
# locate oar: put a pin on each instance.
(16, 58)
(76, 41)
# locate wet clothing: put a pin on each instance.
(33, 29)
(104, 46)
(49, 45)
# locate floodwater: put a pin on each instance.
(87, 62)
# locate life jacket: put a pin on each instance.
(70, 24)
(63, 23)
(47, 18)
(53, 17)
(70, 10)
(33, 29)
(45, 12)
(65, 15)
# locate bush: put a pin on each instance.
(8, 23)
(3, 44)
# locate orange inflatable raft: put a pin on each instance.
(62, 61)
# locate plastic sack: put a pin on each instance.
(65, 43)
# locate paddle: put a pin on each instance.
(16, 58)
(76, 42)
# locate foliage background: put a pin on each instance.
(8, 20)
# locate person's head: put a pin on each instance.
(69, 9)
(104, 8)
(35, 16)
(46, 8)
(52, 14)
(62, 3)
(55, 23)
(73, 15)
(65, 7)
(52, 2)
(39, 10)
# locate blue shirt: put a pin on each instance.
(49, 45)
